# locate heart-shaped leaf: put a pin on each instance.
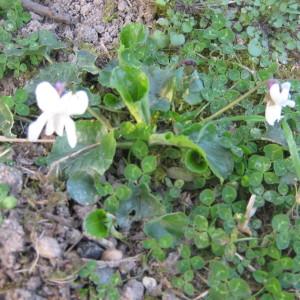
(93, 153)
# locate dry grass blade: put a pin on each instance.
(250, 211)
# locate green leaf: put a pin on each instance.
(260, 276)
(200, 223)
(8, 202)
(64, 72)
(273, 152)
(207, 197)
(172, 224)
(134, 44)
(112, 101)
(96, 224)
(49, 39)
(149, 164)
(205, 148)
(139, 149)
(197, 262)
(218, 271)
(201, 240)
(81, 188)
(259, 163)
(229, 194)
(192, 94)
(140, 205)
(273, 286)
(132, 172)
(134, 35)
(133, 86)
(239, 288)
(4, 190)
(93, 153)
(280, 223)
(282, 239)
(6, 119)
(86, 62)
(292, 146)
(254, 48)
(176, 39)
(162, 87)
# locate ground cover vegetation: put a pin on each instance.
(175, 143)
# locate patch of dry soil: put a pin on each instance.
(97, 22)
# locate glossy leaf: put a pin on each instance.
(171, 224)
(133, 86)
(93, 153)
(96, 224)
(81, 188)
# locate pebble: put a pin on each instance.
(149, 283)
(133, 290)
(104, 274)
(111, 255)
(12, 177)
(88, 249)
(122, 5)
(48, 247)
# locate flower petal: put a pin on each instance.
(290, 103)
(50, 126)
(35, 128)
(47, 97)
(70, 131)
(275, 93)
(285, 92)
(59, 124)
(75, 104)
(273, 113)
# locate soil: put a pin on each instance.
(42, 246)
(96, 22)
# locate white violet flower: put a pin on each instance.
(279, 97)
(56, 111)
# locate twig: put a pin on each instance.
(113, 264)
(105, 50)
(102, 242)
(5, 139)
(233, 103)
(45, 12)
(249, 267)
(250, 211)
(202, 295)
(74, 154)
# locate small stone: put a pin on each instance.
(149, 283)
(34, 283)
(133, 290)
(104, 275)
(12, 177)
(122, 5)
(11, 241)
(127, 266)
(88, 249)
(111, 255)
(48, 247)
(87, 34)
(169, 295)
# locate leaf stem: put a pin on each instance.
(233, 103)
(124, 145)
(4, 139)
(292, 146)
(100, 118)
